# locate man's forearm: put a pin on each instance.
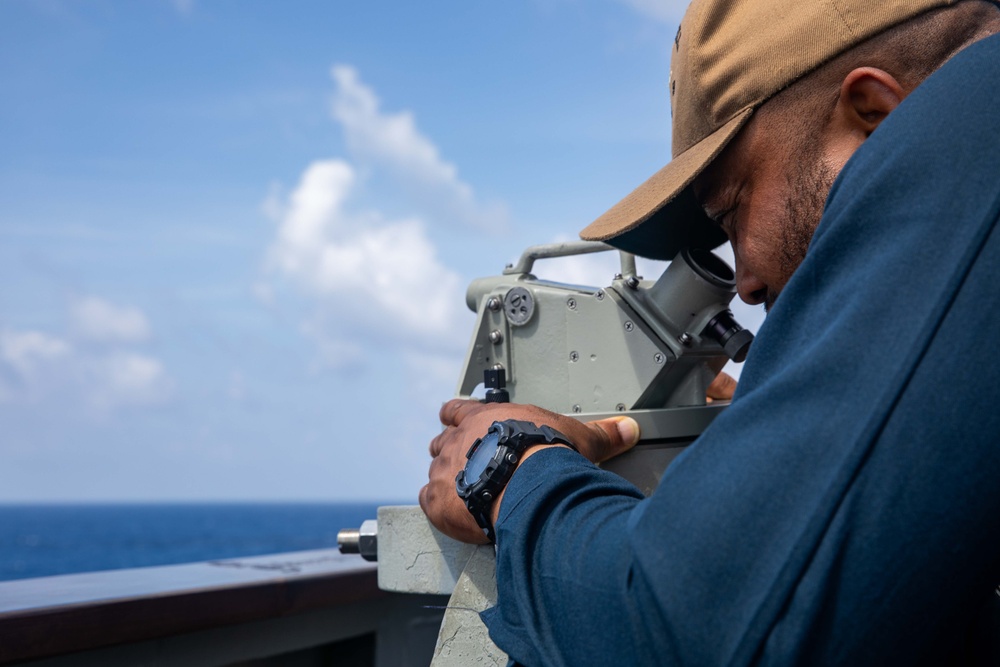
(563, 565)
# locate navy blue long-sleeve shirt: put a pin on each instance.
(846, 508)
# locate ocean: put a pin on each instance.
(44, 540)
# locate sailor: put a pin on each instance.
(845, 509)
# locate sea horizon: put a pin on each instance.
(39, 539)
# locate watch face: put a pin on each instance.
(481, 457)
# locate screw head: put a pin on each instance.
(600, 295)
(496, 337)
(487, 496)
(577, 408)
(618, 276)
(686, 339)
(574, 356)
(628, 325)
(511, 457)
(571, 303)
(632, 282)
(493, 303)
(658, 358)
(620, 407)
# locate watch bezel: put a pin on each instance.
(480, 494)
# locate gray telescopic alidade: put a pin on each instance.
(633, 345)
(643, 348)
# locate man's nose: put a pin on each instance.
(751, 289)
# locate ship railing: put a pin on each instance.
(303, 608)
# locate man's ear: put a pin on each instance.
(867, 96)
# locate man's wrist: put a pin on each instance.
(531, 451)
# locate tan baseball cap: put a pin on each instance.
(730, 56)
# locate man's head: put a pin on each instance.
(763, 168)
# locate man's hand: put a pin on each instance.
(465, 421)
(721, 389)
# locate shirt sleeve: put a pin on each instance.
(844, 509)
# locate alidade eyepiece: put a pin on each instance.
(734, 339)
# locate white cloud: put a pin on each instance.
(124, 378)
(71, 371)
(96, 319)
(28, 354)
(394, 141)
(368, 277)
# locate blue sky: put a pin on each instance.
(235, 235)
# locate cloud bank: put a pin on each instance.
(95, 365)
(370, 279)
(98, 320)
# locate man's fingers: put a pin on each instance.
(454, 411)
(722, 387)
(610, 438)
(422, 498)
(438, 443)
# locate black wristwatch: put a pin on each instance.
(493, 459)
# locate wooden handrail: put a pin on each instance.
(63, 614)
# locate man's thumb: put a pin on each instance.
(622, 434)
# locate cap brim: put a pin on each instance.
(661, 216)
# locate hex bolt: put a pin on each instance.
(362, 541)
(571, 303)
(493, 303)
(658, 358)
(632, 282)
(574, 356)
(577, 408)
(686, 339)
(496, 337)
(628, 325)
(620, 407)
(600, 295)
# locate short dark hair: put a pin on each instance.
(909, 51)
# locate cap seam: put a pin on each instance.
(842, 14)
